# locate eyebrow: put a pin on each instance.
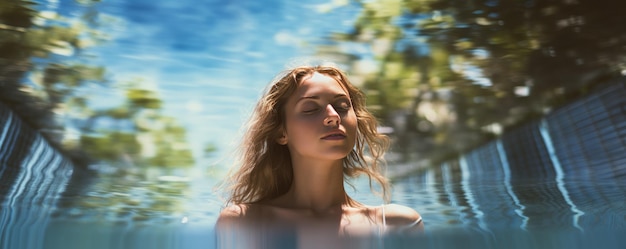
(318, 97)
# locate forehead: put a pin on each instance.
(319, 84)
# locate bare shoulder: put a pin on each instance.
(399, 216)
(237, 214)
(234, 224)
(233, 211)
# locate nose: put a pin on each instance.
(332, 117)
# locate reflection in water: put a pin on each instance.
(506, 180)
(492, 196)
(559, 172)
(564, 174)
(527, 179)
(32, 177)
(277, 236)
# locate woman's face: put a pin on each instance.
(320, 122)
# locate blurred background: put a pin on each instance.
(148, 98)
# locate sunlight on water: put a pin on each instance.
(507, 121)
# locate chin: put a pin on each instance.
(337, 155)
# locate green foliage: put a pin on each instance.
(141, 98)
(156, 140)
(457, 73)
(110, 146)
(46, 77)
(129, 196)
(209, 149)
(47, 49)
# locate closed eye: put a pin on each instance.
(343, 106)
(309, 107)
(310, 111)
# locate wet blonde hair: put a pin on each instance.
(265, 170)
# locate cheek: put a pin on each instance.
(351, 120)
(299, 127)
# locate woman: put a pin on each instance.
(308, 132)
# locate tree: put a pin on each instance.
(45, 77)
(458, 73)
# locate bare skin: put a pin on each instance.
(320, 132)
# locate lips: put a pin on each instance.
(334, 136)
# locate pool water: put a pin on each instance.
(159, 212)
(124, 213)
(555, 183)
(565, 172)
(526, 189)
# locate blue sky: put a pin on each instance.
(211, 59)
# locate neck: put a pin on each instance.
(318, 185)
